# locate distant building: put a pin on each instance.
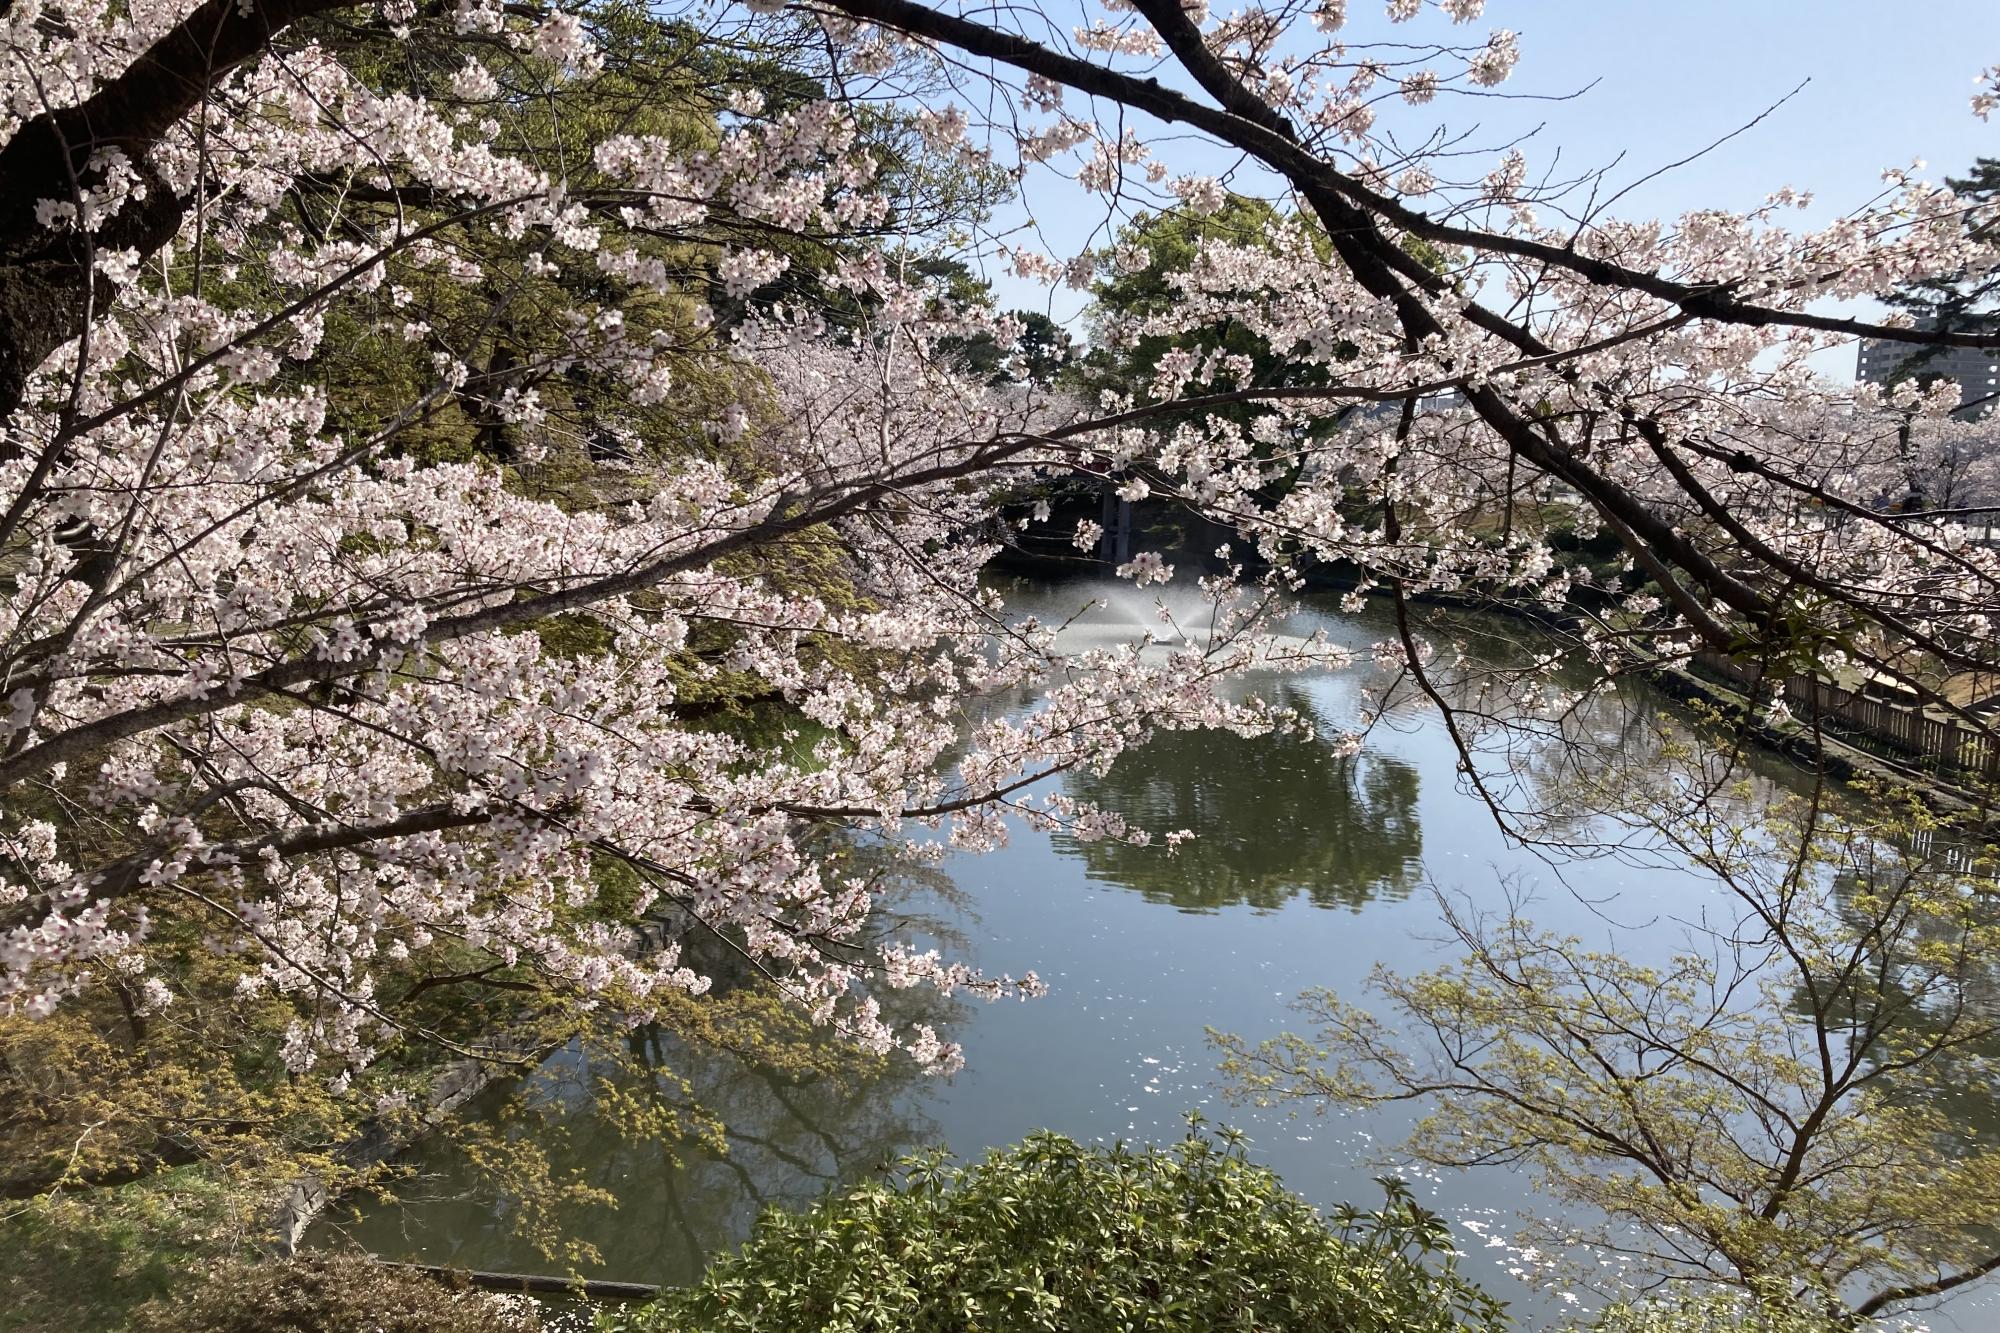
(1385, 411)
(1976, 371)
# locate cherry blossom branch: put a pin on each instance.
(1246, 122)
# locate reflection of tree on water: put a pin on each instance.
(788, 1135)
(1275, 817)
(1959, 1079)
(661, 1149)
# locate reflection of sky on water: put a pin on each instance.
(1117, 1050)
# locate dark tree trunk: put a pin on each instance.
(45, 274)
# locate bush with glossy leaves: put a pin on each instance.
(1055, 1236)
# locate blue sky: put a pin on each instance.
(1887, 82)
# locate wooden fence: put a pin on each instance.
(1934, 742)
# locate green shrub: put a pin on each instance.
(328, 1293)
(1054, 1236)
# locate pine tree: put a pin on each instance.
(1966, 300)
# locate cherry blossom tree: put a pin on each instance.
(271, 667)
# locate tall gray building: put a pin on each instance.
(1975, 370)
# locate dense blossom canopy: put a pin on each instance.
(271, 664)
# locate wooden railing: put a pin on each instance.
(1935, 742)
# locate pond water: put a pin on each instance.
(1309, 870)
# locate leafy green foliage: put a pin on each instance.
(1170, 242)
(1052, 1235)
(83, 1260)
